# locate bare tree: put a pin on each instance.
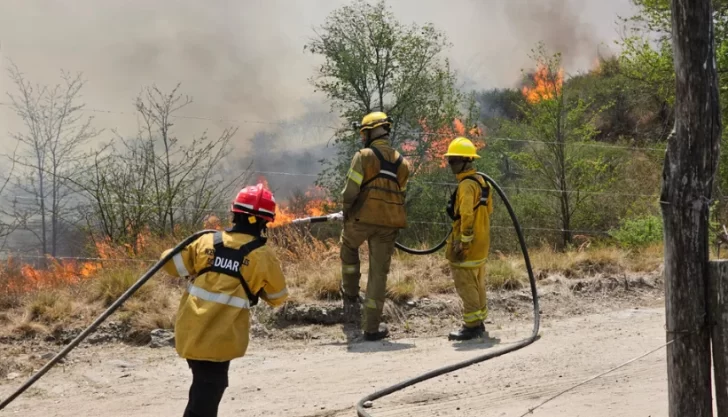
(8, 222)
(51, 144)
(181, 174)
(155, 180)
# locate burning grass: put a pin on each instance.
(38, 302)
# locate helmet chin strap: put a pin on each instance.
(464, 166)
(370, 139)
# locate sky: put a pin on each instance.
(243, 61)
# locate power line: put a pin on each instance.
(546, 229)
(13, 255)
(401, 131)
(449, 184)
(531, 410)
(211, 119)
(225, 211)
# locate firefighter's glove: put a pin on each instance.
(459, 250)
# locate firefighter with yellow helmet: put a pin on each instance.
(230, 271)
(470, 208)
(374, 212)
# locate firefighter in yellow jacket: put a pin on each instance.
(374, 212)
(470, 208)
(233, 268)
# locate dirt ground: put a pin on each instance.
(326, 376)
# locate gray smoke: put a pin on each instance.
(243, 61)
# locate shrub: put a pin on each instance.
(638, 232)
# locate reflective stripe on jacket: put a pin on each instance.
(213, 320)
(473, 226)
(377, 201)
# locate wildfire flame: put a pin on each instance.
(597, 65)
(316, 205)
(547, 84)
(59, 272)
(440, 139)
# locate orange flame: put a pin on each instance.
(59, 272)
(283, 217)
(439, 140)
(262, 180)
(597, 65)
(316, 204)
(546, 84)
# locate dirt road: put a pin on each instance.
(326, 378)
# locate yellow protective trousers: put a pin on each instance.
(381, 248)
(470, 285)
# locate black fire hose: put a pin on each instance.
(424, 251)
(153, 270)
(360, 409)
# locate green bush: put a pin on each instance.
(638, 232)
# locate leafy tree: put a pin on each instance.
(373, 62)
(647, 54)
(557, 126)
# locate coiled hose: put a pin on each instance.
(153, 270)
(360, 409)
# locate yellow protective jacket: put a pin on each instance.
(375, 190)
(472, 225)
(213, 318)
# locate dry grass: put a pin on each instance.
(507, 274)
(48, 307)
(111, 283)
(313, 272)
(579, 263)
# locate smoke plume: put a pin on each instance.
(243, 61)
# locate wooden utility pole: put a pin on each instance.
(690, 164)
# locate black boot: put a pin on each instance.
(382, 333)
(467, 333)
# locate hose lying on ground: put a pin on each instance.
(153, 270)
(360, 406)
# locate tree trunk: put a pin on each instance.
(690, 164)
(41, 191)
(54, 213)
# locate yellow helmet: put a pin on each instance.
(463, 147)
(374, 120)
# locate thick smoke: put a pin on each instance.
(243, 62)
(563, 25)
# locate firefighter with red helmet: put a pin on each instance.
(230, 270)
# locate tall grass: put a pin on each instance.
(312, 269)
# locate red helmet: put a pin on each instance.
(257, 201)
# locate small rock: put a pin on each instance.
(98, 338)
(13, 375)
(411, 304)
(368, 404)
(161, 338)
(125, 376)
